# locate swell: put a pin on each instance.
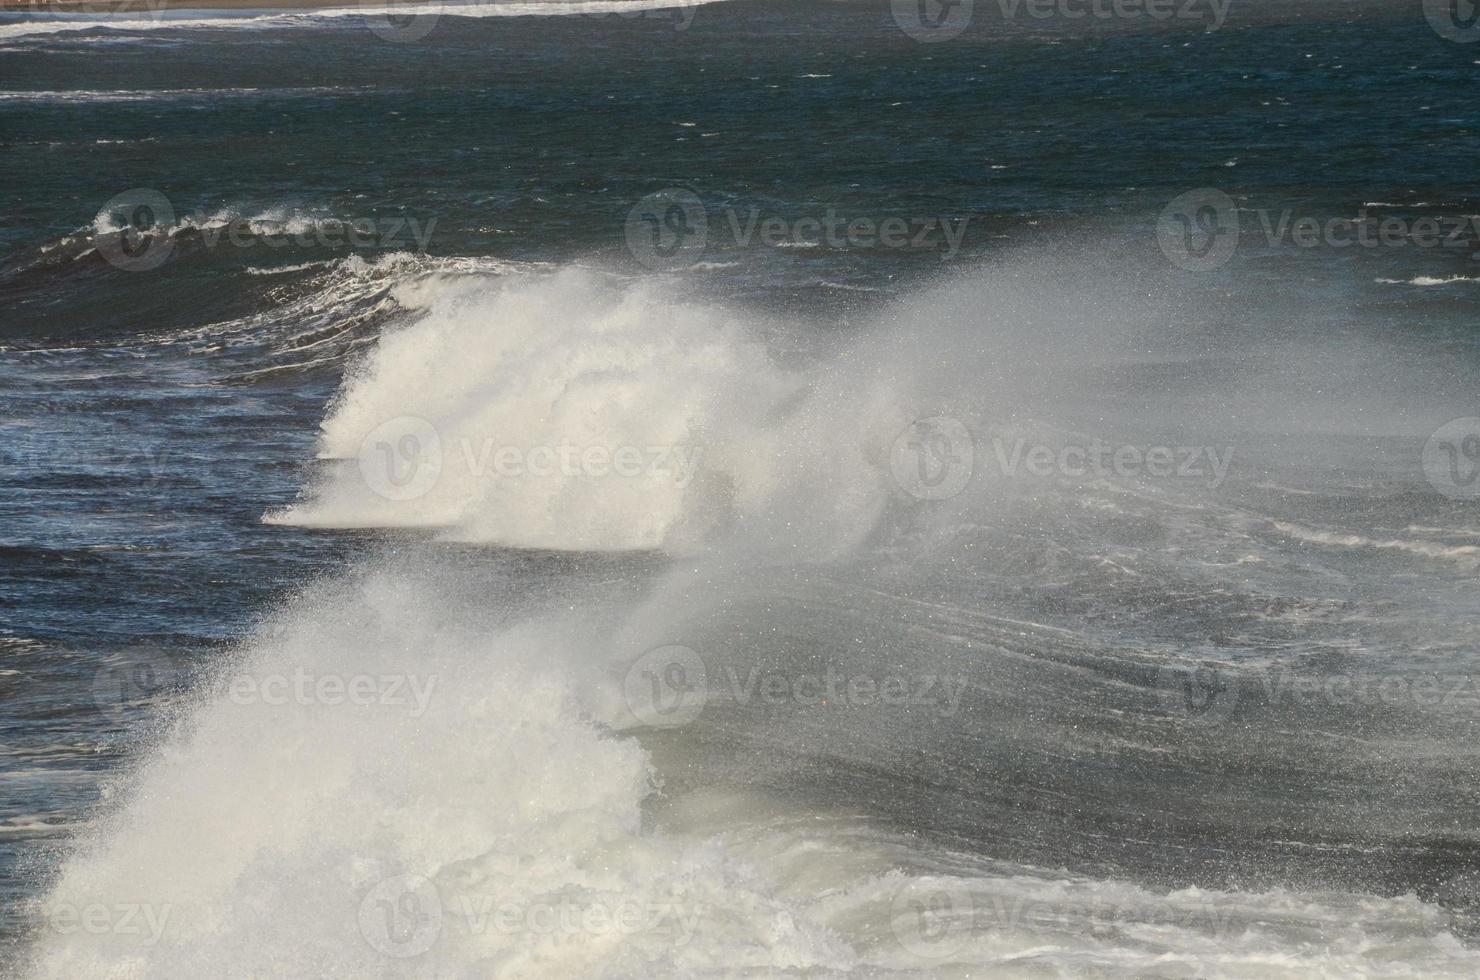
(294, 319)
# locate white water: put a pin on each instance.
(267, 839)
(572, 412)
(489, 817)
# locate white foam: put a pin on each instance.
(271, 820)
(1428, 281)
(267, 839)
(277, 220)
(576, 362)
(253, 270)
(1468, 553)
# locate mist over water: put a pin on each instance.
(517, 601)
(796, 697)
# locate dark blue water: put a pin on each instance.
(1171, 713)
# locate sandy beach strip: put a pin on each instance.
(153, 6)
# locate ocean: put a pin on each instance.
(752, 488)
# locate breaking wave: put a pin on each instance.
(497, 416)
(478, 791)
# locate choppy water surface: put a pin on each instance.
(744, 489)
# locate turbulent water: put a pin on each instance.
(493, 494)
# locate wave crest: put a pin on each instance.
(574, 412)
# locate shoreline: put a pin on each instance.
(159, 6)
